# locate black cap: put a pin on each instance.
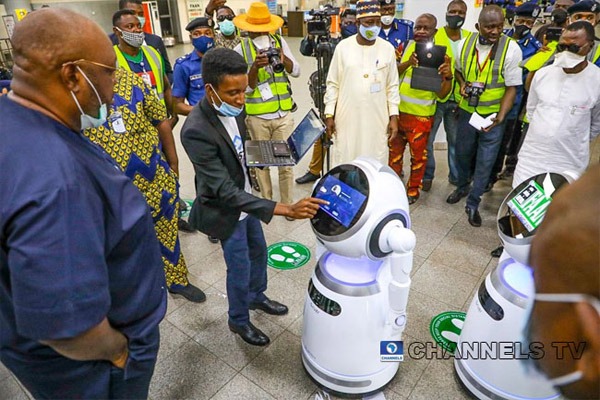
(584, 6)
(201, 22)
(386, 2)
(529, 10)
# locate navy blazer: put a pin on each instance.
(156, 42)
(220, 176)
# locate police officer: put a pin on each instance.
(396, 31)
(525, 16)
(588, 10)
(187, 75)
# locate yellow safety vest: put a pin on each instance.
(441, 38)
(594, 55)
(540, 59)
(156, 65)
(414, 101)
(278, 82)
(491, 75)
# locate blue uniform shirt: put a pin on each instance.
(77, 244)
(187, 78)
(400, 32)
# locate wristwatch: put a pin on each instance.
(328, 116)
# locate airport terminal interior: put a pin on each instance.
(200, 358)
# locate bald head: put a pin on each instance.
(49, 37)
(491, 14)
(565, 252)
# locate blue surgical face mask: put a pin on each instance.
(142, 21)
(227, 27)
(203, 43)
(349, 30)
(88, 121)
(369, 33)
(353, 6)
(225, 108)
(528, 365)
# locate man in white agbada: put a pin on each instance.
(361, 100)
(563, 109)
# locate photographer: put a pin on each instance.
(307, 48)
(268, 96)
(487, 69)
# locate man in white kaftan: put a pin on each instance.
(362, 98)
(564, 111)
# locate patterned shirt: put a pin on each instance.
(222, 41)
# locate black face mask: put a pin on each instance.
(454, 21)
(521, 31)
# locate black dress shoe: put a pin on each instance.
(270, 307)
(307, 178)
(184, 226)
(190, 292)
(427, 184)
(213, 239)
(497, 252)
(474, 217)
(250, 334)
(456, 196)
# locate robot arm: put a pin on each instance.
(401, 242)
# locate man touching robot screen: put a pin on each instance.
(344, 201)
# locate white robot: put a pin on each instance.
(355, 306)
(489, 343)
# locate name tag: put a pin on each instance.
(265, 91)
(195, 77)
(147, 78)
(375, 87)
(117, 123)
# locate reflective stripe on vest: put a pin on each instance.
(540, 59)
(414, 101)
(491, 98)
(442, 39)
(156, 66)
(278, 82)
(594, 55)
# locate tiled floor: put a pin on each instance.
(201, 359)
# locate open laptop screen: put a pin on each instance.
(305, 134)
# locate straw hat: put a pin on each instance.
(258, 19)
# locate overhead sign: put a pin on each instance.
(195, 9)
(287, 255)
(20, 13)
(446, 328)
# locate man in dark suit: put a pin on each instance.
(213, 137)
(149, 39)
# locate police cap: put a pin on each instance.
(528, 10)
(584, 6)
(201, 22)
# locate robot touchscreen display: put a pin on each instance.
(344, 201)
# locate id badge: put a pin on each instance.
(117, 123)
(146, 78)
(265, 91)
(375, 87)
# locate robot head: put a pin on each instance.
(364, 196)
(523, 210)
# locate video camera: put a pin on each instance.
(320, 23)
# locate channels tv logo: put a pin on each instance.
(391, 351)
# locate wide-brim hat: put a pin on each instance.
(258, 19)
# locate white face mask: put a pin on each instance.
(387, 19)
(262, 42)
(566, 59)
(529, 368)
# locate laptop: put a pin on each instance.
(426, 76)
(266, 153)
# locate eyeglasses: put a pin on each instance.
(82, 60)
(572, 48)
(222, 18)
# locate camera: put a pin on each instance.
(474, 91)
(321, 21)
(274, 59)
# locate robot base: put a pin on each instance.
(341, 386)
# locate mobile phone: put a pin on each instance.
(553, 34)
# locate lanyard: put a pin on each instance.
(487, 59)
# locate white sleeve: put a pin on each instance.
(513, 74)
(287, 52)
(534, 95)
(457, 65)
(333, 82)
(392, 86)
(595, 128)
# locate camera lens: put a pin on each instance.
(276, 64)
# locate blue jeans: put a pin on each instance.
(445, 112)
(245, 254)
(477, 148)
